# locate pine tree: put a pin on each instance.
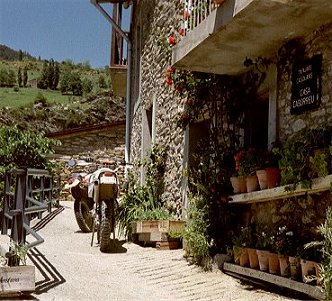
(50, 74)
(56, 76)
(42, 80)
(19, 77)
(25, 76)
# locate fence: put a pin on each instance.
(27, 194)
(195, 11)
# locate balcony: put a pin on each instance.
(247, 28)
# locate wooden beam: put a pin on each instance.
(281, 192)
(310, 290)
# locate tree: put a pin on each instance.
(3, 77)
(87, 85)
(65, 83)
(56, 77)
(19, 77)
(20, 55)
(42, 80)
(11, 80)
(76, 85)
(102, 82)
(25, 76)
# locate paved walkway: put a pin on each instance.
(68, 268)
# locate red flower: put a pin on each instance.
(171, 40)
(185, 115)
(182, 32)
(170, 70)
(168, 81)
(186, 15)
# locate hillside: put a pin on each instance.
(8, 54)
(50, 110)
(99, 108)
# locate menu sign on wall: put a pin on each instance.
(306, 84)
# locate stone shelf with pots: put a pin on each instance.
(256, 275)
(281, 192)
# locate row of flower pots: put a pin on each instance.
(263, 179)
(283, 265)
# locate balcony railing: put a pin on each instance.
(195, 11)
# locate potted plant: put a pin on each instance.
(238, 180)
(272, 166)
(246, 163)
(263, 246)
(240, 243)
(285, 246)
(13, 266)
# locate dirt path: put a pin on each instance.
(68, 268)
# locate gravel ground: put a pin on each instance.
(68, 268)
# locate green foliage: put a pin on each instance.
(196, 230)
(50, 75)
(138, 204)
(7, 77)
(40, 98)
(154, 167)
(23, 149)
(326, 267)
(71, 82)
(298, 162)
(18, 253)
(320, 164)
(143, 202)
(19, 77)
(244, 238)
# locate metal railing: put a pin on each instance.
(27, 194)
(195, 11)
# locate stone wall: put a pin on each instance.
(156, 19)
(302, 213)
(318, 43)
(95, 146)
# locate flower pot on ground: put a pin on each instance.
(284, 265)
(253, 258)
(262, 178)
(272, 176)
(252, 183)
(239, 184)
(274, 267)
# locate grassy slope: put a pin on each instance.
(26, 97)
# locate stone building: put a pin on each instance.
(244, 74)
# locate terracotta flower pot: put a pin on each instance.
(294, 267)
(274, 267)
(262, 178)
(218, 2)
(273, 176)
(241, 256)
(310, 271)
(253, 258)
(239, 184)
(252, 183)
(284, 265)
(263, 260)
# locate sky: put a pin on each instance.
(58, 29)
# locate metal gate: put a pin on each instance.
(27, 194)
